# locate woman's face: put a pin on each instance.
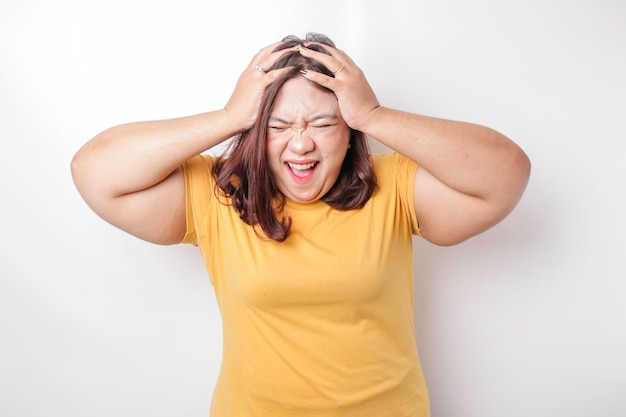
(307, 140)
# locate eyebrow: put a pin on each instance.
(313, 119)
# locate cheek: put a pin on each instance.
(274, 148)
(336, 147)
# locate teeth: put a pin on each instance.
(301, 167)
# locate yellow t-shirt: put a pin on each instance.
(322, 323)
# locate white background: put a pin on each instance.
(527, 319)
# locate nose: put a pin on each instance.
(301, 143)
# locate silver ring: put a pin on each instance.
(259, 68)
(339, 70)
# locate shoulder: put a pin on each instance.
(396, 178)
(200, 163)
(393, 164)
(199, 179)
(198, 170)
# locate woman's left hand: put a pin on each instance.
(355, 97)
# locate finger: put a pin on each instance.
(267, 57)
(332, 63)
(321, 79)
(336, 62)
(264, 52)
(334, 52)
(274, 75)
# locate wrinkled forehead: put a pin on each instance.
(302, 99)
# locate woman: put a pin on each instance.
(306, 237)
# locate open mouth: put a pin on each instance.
(302, 170)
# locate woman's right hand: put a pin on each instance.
(243, 105)
(130, 174)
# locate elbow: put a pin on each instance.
(520, 173)
(77, 167)
(507, 186)
(87, 176)
(514, 166)
(524, 164)
(80, 169)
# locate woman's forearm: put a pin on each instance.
(469, 158)
(135, 156)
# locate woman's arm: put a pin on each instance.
(470, 176)
(130, 174)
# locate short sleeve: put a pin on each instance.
(198, 186)
(395, 168)
(406, 171)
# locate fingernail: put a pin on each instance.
(304, 72)
(301, 48)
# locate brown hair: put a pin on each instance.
(244, 174)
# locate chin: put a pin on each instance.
(304, 200)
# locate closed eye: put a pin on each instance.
(277, 128)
